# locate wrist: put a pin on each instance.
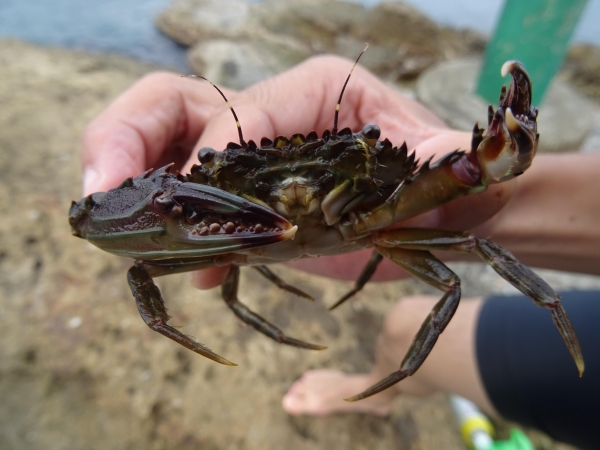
(552, 218)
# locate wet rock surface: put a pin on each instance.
(237, 44)
(448, 89)
(582, 69)
(403, 41)
(280, 33)
(79, 368)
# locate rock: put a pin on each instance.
(582, 69)
(403, 42)
(414, 40)
(399, 24)
(377, 58)
(229, 64)
(239, 64)
(190, 21)
(314, 22)
(448, 90)
(273, 35)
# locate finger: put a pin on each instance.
(209, 278)
(348, 266)
(464, 213)
(304, 98)
(160, 113)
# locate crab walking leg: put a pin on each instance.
(229, 292)
(269, 275)
(152, 309)
(525, 280)
(501, 260)
(363, 278)
(429, 269)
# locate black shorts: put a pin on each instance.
(529, 374)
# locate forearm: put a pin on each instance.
(553, 218)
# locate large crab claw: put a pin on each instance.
(504, 152)
(511, 141)
(155, 216)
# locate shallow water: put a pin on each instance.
(108, 25)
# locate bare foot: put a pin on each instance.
(322, 392)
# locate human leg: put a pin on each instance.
(451, 365)
(527, 371)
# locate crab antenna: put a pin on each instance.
(337, 107)
(237, 122)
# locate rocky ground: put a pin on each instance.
(236, 43)
(78, 367)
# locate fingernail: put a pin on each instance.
(91, 179)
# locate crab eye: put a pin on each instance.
(206, 155)
(371, 132)
(98, 196)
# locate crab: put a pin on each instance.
(310, 196)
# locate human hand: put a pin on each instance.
(165, 118)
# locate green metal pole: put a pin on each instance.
(537, 33)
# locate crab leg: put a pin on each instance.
(269, 275)
(363, 278)
(152, 309)
(501, 260)
(229, 292)
(429, 269)
(525, 280)
(409, 248)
